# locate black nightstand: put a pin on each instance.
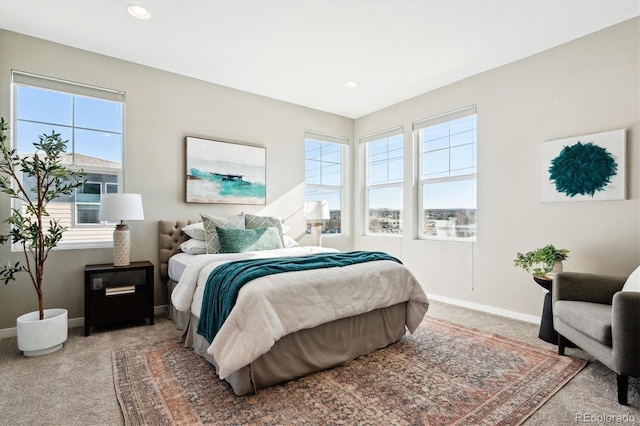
(114, 294)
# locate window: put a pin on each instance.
(92, 121)
(325, 176)
(384, 181)
(447, 175)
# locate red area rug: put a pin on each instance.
(443, 374)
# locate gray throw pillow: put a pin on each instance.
(210, 233)
(252, 221)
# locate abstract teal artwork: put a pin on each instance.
(223, 172)
(584, 168)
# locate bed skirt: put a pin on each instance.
(311, 350)
(180, 318)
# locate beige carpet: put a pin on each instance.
(74, 386)
(443, 374)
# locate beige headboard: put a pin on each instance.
(171, 236)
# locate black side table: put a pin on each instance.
(547, 332)
(115, 294)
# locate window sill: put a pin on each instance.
(73, 246)
(450, 239)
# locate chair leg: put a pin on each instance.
(623, 387)
(561, 342)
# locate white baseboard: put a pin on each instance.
(76, 322)
(488, 309)
(162, 310)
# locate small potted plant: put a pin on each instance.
(35, 180)
(542, 261)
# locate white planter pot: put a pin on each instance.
(557, 266)
(36, 337)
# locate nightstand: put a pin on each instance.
(114, 294)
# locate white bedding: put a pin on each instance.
(178, 263)
(271, 307)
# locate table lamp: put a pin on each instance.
(316, 211)
(114, 207)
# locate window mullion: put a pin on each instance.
(324, 175)
(447, 204)
(102, 111)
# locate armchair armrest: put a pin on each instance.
(585, 287)
(625, 328)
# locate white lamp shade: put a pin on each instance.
(317, 210)
(121, 207)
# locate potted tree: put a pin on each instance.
(35, 180)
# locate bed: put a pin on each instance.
(263, 343)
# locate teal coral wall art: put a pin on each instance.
(584, 168)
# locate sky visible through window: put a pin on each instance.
(386, 166)
(449, 150)
(92, 128)
(97, 122)
(323, 166)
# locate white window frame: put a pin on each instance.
(417, 126)
(98, 235)
(343, 142)
(366, 141)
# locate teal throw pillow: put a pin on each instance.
(241, 240)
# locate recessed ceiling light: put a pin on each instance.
(351, 84)
(138, 11)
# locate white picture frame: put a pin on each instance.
(589, 167)
(225, 173)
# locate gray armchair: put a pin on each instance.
(591, 311)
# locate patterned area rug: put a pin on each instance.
(443, 374)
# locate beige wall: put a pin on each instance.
(586, 86)
(161, 109)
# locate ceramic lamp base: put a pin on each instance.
(121, 246)
(316, 235)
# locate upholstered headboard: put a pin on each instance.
(171, 236)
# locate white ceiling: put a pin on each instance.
(304, 51)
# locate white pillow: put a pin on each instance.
(195, 230)
(633, 282)
(289, 242)
(194, 246)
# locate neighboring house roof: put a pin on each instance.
(81, 160)
(85, 160)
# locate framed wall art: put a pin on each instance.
(584, 168)
(224, 172)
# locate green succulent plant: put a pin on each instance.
(541, 260)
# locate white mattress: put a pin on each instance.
(179, 261)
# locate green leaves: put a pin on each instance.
(31, 225)
(8, 271)
(545, 257)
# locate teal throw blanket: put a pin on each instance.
(226, 280)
